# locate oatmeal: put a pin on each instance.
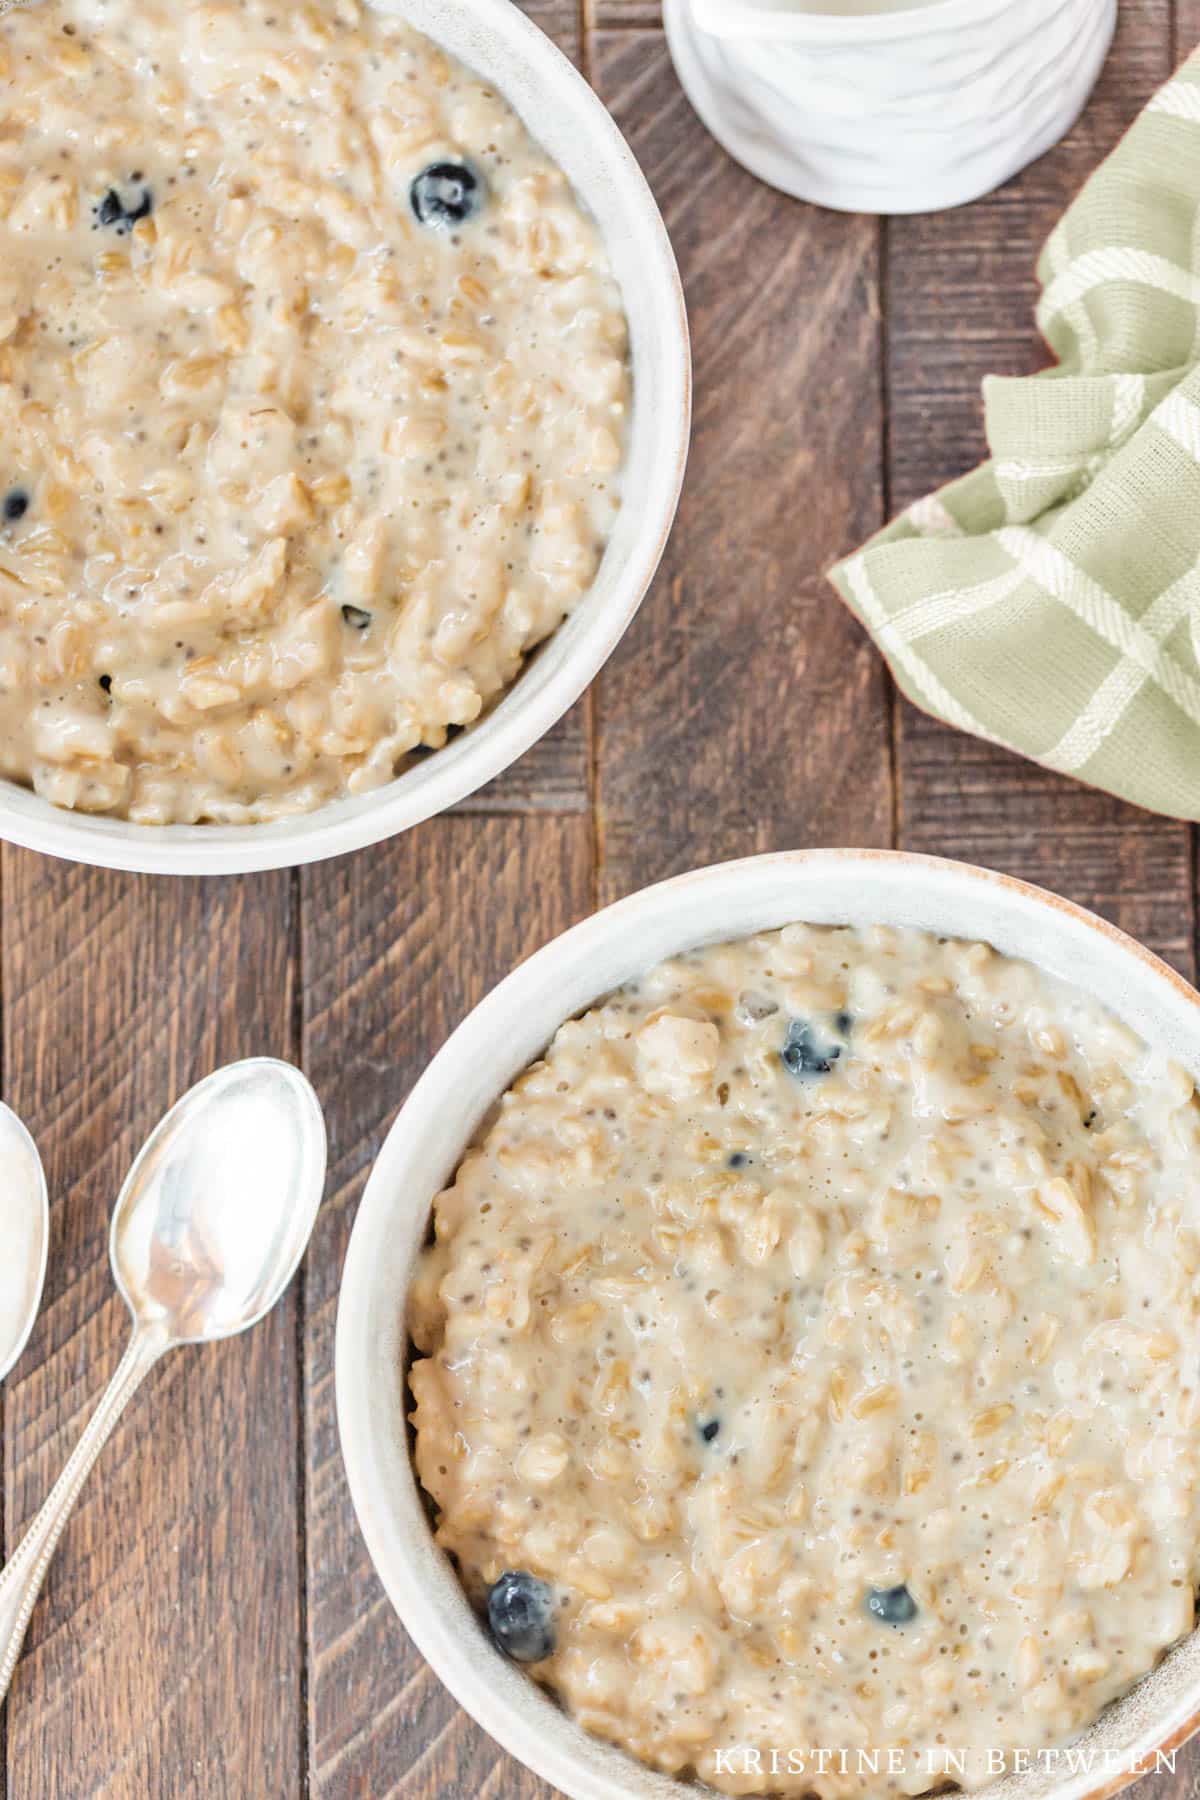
(313, 389)
(809, 1357)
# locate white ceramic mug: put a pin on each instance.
(889, 106)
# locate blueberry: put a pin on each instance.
(447, 194)
(891, 1606)
(738, 1159)
(843, 1023)
(356, 617)
(106, 683)
(520, 1611)
(709, 1429)
(804, 1054)
(112, 210)
(16, 505)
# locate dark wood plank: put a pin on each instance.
(743, 710)
(960, 293)
(561, 20)
(1187, 28)
(398, 944)
(962, 798)
(552, 776)
(165, 1657)
(638, 14)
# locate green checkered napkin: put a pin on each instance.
(1050, 600)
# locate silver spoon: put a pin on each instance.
(208, 1230)
(24, 1236)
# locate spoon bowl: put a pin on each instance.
(209, 1226)
(25, 1233)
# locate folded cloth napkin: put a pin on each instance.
(1050, 600)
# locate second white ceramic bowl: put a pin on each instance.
(889, 106)
(494, 38)
(508, 1031)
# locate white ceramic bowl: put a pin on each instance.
(890, 106)
(510, 1029)
(494, 38)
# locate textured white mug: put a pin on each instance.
(889, 106)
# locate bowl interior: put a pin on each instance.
(560, 110)
(508, 1030)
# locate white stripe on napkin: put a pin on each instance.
(1059, 576)
(1117, 263)
(1179, 99)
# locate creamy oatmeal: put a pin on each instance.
(810, 1358)
(313, 388)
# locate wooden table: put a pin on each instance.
(212, 1626)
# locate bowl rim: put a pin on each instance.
(537, 699)
(818, 25)
(512, 1709)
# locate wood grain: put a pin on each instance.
(743, 711)
(552, 776)
(1187, 28)
(614, 15)
(561, 20)
(165, 1657)
(397, 947)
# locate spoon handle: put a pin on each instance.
(22, 1576)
